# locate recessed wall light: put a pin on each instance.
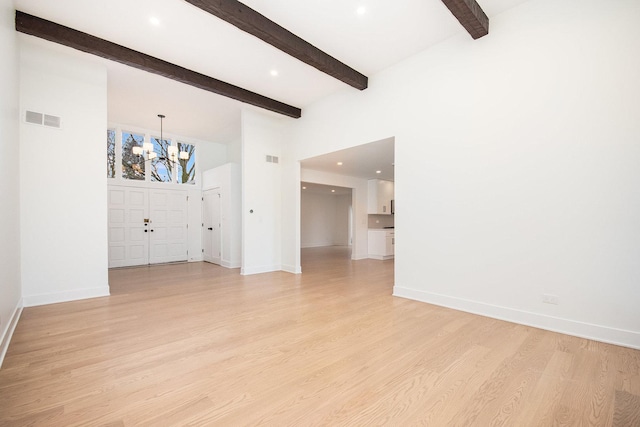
(361, 10)
(378, 171)
(154, 21)
(274, 73)
(339, 163)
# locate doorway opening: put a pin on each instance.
(325, 219)
(369, 171)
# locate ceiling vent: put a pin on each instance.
(42, 119)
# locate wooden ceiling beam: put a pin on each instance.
(84, 42)
(470, 15)
(252, 22)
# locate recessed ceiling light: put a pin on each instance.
(154, 21)
(274, 73)
(378, 171)
(304, 188)
(361, 10)
(333, 191)
(339, 163)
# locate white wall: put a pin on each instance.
(261, 193)
(324, 219)
(358, 202)
(63, 183)
(517, 165)
(10, 289)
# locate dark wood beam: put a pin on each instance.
(66, 36)
(470, 15)
(252, 22)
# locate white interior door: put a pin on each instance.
(167, 226)
(211, 238)
(128, 241)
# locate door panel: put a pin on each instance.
(211, 226)
(168, 213)
(127, 242)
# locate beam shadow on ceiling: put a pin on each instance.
(84, 42)
(252, 22)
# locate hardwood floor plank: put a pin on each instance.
(197, 344)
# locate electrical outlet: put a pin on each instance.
(550, 299)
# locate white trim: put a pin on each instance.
(8, 331)
(292, 269)
(318, 245)
(576, 328)
(359, 257)
(65, 296)
(381, 257)
(229, 264)
(258, 270)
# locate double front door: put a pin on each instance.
(146, 226)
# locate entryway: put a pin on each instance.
(146, 226)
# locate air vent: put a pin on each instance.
(52, 121)
(33, 117)
(272, 159)
(42, 119)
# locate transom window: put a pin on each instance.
(145, 157)
(133, 166)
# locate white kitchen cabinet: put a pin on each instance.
(380, 195)
(381, 244)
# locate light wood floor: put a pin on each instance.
(196, 344)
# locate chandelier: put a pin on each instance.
(147, 149)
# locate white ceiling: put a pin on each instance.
(386, 33)
(362, 161)
(329, 190)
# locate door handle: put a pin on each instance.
(210, 228)
(145, 230)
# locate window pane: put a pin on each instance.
(161, 166)
(111, 153)
(187, 167)
(132, 165)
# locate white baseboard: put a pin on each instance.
(358, 257)
(381, 257)
(56, 297)
(315, 245)
(258, 270)
(590, 331)
(229, 264)
(7, 333)
(292, 269)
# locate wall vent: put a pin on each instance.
(52, 121)
(42, 119)
(272, 159)
(33, 117)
